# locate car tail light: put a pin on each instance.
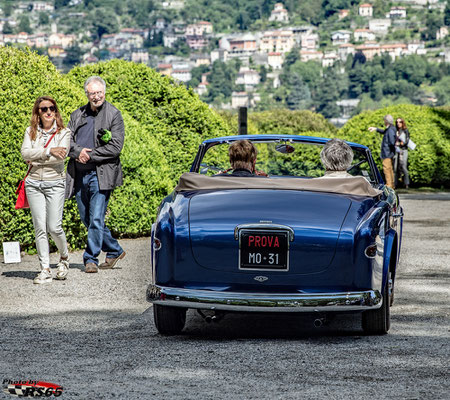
(371, 251)
(156, 243)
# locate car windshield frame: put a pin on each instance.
(361, 149)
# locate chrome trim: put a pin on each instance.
(264, 226)
(398, 215)
(264, 302)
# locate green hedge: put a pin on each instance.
(429, 163)
(164, 124)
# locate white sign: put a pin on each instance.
(11, 252)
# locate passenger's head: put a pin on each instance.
(388, 119)
(336, 155)
(242, 155)
(95, 88)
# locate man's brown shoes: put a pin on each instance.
(90, 268)
(111, 262)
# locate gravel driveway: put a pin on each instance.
(94, 334)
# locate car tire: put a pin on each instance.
(169, 320)
(378, 322)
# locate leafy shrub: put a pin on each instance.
(429, 163)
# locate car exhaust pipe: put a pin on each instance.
(319, 322)
(214, 317)
(208, 318)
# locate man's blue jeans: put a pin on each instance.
(92, 203)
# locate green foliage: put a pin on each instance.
(429, 129)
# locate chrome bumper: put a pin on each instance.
(264, 302)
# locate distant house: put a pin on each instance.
(202, 87)
(219, 54)
(164, 69)
(239, 99)
(174, 4)
(60, 39)
(199, 29)
(397, 13)
(309, 41)
(395, 49)
(279, 13)
(370, 50)
(275, 60)
(343, 13)
(139, 56)
(55, 51)
(442, 32)
(363, 35)
(340, 37)
(196, 42)
(201, 59)
(183, 75)
(310, 55)
(344, 50)
(329, 58)
(281, 41)
(42, 6)
(169, 38)
(380, 26)
(365, 10)
(247, 77)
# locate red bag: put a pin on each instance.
(22, 201)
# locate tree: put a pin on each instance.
(104, 21)
(299, 96)
(43, 19)
(7, 29)
(328, 94)
(447, 14)
(73, 55)
(442, 91)
(433, 21)
(24, 24)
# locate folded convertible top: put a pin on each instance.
(357, 185)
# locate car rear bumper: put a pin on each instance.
(264, 302)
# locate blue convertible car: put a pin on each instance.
(294, 241)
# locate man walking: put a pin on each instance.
(94, 170)
(387, 148)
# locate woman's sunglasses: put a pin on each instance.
(51, 108)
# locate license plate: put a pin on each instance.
(263, 249)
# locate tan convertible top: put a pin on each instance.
(356, 185)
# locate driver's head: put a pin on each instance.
(242, 155)
(336, 155)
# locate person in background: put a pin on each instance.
(401, 158)
(45, 146)
(336, 157)
(387, 148)
(94, 170)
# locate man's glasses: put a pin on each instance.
(92, 94)
(44, 109)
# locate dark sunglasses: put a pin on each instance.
(51, 108)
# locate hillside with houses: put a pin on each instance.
(316, 56)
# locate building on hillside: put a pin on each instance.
(309, 41)
(275, 60)
(415, 47)
(196, 42)
(139, 56)
(398, 12)
(341, 37)
(183, 75)
(202, 87)
(442, 32)
(279, 13)
(347, 107)
(170, 38)
(310, 55)
(363, 34)
(343, 13)
(201, 59)
(329, 58)
(370, 50)
(395, 50)
(239, 46)
(239, 99)
(173, 4)
(281, 41)
(344, 50)
(60, 39)
(365, 10)
(247, 77)
(165, 69)
(219, 54)
(380, 26)
(199, 29)
(42, 6)
(55, 51)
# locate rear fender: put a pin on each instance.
(390, 255)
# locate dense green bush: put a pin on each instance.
(164, 123)
(429, 163)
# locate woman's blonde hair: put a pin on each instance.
(36, 119)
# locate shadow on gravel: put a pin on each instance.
(20, 274)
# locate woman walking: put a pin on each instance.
(401, 164)
(45, 146)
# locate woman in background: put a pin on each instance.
(401, 162)
(45, 146)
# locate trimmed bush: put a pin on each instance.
(429, 163)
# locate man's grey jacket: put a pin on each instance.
(105, 156)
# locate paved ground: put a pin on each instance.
(94, 334)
